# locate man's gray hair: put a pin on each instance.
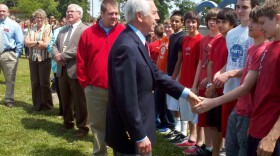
(77, 7)
(134, 6)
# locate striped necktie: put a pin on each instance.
(68, 35)
(148, 49)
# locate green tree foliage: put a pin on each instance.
(163, 9)
(56, 8)
(185, 5)
(27, 7)
(121, 8)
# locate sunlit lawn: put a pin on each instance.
(24, 131)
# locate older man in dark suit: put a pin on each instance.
(130, 122)
(72, 94)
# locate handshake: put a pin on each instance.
(200, 104)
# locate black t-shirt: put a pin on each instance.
(175, 45)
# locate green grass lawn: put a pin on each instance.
(24, 131)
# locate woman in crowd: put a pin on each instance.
(37, 39)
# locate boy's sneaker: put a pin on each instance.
(186, 143)
(164, 130)
(223, 152)
(179, 138)
(171, 135)
(191, 150)
(202, 151)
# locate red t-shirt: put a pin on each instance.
(154, 50)
(205, 47)
(218, 54)
(266, 108)
(190, 58)
(162, 56)
(244, 105)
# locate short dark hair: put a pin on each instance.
(192, 15)
(269, 9)
(177, 13)
(105, 2)
(254, 3)
(212, 13)
(228, 14)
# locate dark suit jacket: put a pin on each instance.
(69, 54)
(132, 79)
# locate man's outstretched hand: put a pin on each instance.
(204, 106)
(193, 99)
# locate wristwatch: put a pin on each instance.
(209, 85)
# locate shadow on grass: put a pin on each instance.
(163, 146)
(52, 128)
(30, 110)
(2, 82)
(46, 151)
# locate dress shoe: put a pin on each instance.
(81, 133)
(66, 127)
(48, 107)
(10, 104)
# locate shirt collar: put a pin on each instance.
(76, 24)
(107, 30)
(3, 21)
(178, 32)
(139, 34)
(41, 29)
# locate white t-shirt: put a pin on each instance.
(238, 43)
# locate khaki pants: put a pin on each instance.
(96, 105)
(8, 63)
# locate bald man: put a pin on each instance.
(11, 43)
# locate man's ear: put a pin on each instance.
(139, 16)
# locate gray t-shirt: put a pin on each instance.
(238, 43)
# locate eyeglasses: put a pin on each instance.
(39, 17)
(71, 11)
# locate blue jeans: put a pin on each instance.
(236, 138)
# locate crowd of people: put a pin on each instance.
(206, 94)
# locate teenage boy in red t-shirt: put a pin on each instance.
(238, 43)
(186, 65)
(226, 20)
(154, 46)
(236, 137)
(264, 129)
(200, 82)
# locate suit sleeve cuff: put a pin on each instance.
(141, 139)
(185, 93)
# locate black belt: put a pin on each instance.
(9, 50)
